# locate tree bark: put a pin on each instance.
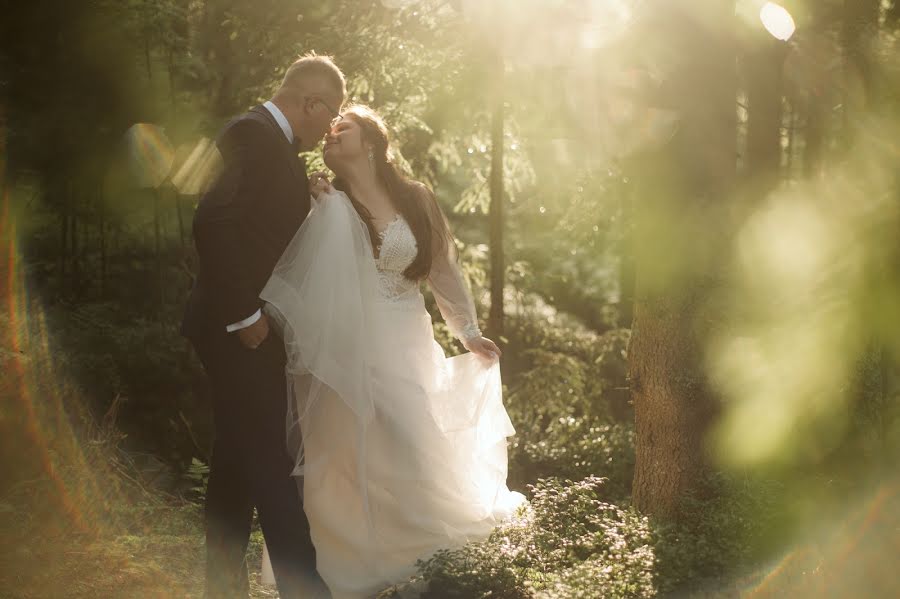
(103, 244)
(498, 263)
(815, 134)
(790, 150)
(817, 107)
(860, 19)
(73, 239)
(626, 253)
(862, 97)
(764, 68)
(63, 237)
(680, 203)
(892, 16)
(157, 250)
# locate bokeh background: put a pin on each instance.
(680, 219)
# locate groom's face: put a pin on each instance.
(319, 109)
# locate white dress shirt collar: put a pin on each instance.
(280, 119)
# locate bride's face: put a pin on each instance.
(344, 144)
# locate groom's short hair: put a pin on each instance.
(312, 65)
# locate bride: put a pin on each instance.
(402, 450)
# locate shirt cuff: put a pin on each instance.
(244, 323)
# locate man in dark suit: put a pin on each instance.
(242, 226)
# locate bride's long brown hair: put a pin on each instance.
(413, 200)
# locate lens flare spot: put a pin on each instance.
(151, 154)
(198, 169)
(396, 4)
(777, 21)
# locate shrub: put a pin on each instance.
(575, 448)
(716, 535)
(565, 409)
(568, 536)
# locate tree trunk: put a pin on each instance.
(63, 239)
(892, 15)
(176, 196)
(815, 134)
(147, 60)
(763, 67)
(157, 248)
(101, 206)
(498, 266)
(626, 260)
(84, 247)
(790, 151)
(73, 239)
(860, 20)
(817, 105)
(680, 235)
(861, 97)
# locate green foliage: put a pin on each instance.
(567, 538)
(568, 400)
(114, 356)
(575, 448)
(537, 325)
(111, 352)
(198, 474)
(571, 541)
(732, 527)
(573, 235)
(567, 369)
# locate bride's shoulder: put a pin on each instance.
(421, 190)
(422, 195)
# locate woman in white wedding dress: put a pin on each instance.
(402, 450)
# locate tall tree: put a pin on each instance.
(860, 19)
(815, 47)
(680, 229)
(763, 69)
(498, 263)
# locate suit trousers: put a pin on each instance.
(251, 468)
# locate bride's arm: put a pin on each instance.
(453, 298)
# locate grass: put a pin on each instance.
(144, 547)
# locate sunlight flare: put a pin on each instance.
(195, 171)
(151, 154)
(777, 21)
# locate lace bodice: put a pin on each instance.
(397, 249)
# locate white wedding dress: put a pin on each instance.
(401, 449)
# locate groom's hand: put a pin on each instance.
(255, 334)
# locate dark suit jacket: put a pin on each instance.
(244, 222)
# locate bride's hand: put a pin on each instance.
(484, 347)
(319, 183)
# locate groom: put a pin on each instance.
(242, 226)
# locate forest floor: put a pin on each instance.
(80, 518)
(143, 546)
(151, 549)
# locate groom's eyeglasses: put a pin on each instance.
(335, 115)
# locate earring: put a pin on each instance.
(371, 158)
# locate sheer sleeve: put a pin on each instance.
(445, 279)
(452, 295)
